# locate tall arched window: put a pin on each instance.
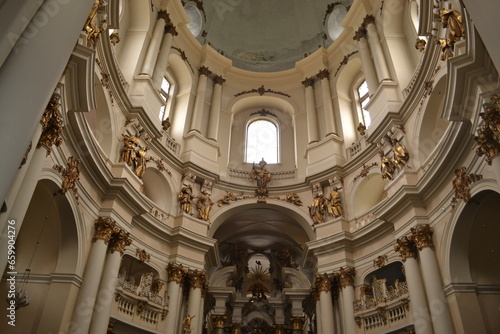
(364, 99)
(262, 142)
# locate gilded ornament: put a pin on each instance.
(421, 235)
(308, 82)
(197, 279)
(387, 166)
(130, 143)
(262, 176)
(400, 154)
(406, 248)
(203, 70)
(93, 26)
(204, 206)
(71, 174)
(104, 229)
(279, 329)
(323, 282)
(297, 323)
(346, 276)
(380, 261)
(261, 91)
(461, 183)
(382, 314)
(218, 320)
(140, 161)
(334, 204)
(285, 259)
(52, 125)
(323, 74)
(294, 198)
(420, 44)
(360, 33)
(114, 38)
(142, 255)
(25, 158)
(219, 80)
(364, 171)
(119, 241)
(452, 21)
(186, 199)
(317, 209)
(186, 324)
(236, 328)
(175, 272)
(361, 129)
(488, 138)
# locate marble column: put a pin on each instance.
(149, 62)
(175, 277)
(376, 49)
(319, 328)
(106, 294)
(213, 121)
(162, 61)
(218, 321)
(235, 328)
(328, 111)
(324, 284)
(312, 118)
(197, 281)
(421, 235)
(346, 277)
(199, 101)
(418, 302)
(84, 305)
(366, 59)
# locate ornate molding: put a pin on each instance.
(329, 10)
(406, 248)
(197, 279)
(380, 261)
(218, 320)
(360, 33)
(323, 282)
(183, 56)
(344, 61)
(461, 183)
(203, 70)
(488, 138)
(323, 74)
(421, 235)
(219, 80)
(263, 112)
(142, 255)
(104, 229)
(261, 91)
(175, 273)
(346, 276)
(364, 171)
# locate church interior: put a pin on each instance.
(250, 166)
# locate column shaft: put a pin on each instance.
(213, 122)
(329, 118)
(174, 293)
(162, 62)
(193, 310)
(312, 118)
(154, 46)
(199, 101)
(368, 67)
(327, 323)
(377, 53)
(418, 302)
(318, 317)
(348, 301)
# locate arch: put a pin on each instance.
(296, 215)
(158, 189)
(222, 276)
(297, 279)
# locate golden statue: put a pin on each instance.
(92, 27)
(294, 198)
(141, 161)
(452, 21)
(387, 167)
(186, 323)
(128, 150)
(262, 176)
(204, 206)
(186, 199)
(334, 205)
(401, 156)
(317, 208)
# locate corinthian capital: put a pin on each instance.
(406, 248)
(347, 276)
(104, 229)
(308, 82)
(323, 74)
(119, 241)
(197, 279)
(422, 236)
(175, 272)
(323, 282)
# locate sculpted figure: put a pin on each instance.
(141, 161)
(204, 205)
(261, 174)
(128, 150)
(401, 156)
(387, 167)
(186, 199)
(317, 208)
(334, 205)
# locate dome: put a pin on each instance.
(269, 36)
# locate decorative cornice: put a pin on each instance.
(422, 236)
(261, 91)
(263, 112)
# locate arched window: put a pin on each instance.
(364, 99)
(262, 142)
(164, 93)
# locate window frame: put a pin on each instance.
(274, 122)
(359, 102)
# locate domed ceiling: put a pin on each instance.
(266, 35)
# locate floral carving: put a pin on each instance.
(52, 125)
(461, 183)
(104, 229)
(406, 248)
(71, 174)
(422, 236)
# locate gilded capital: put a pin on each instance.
(119, 241)
(422, 236)
(236, 328)
(197, 279)
(323, 282)
(360, 33)
(346, 276)
(279, 329)
(104, 228)
(170, 29)
(308, 82)
(368, 20)
(323, 74)
(203, 70)
(219, 80)
(297, 323)
(218, 320)
(175, 272)
(406, 248)
(163, 15)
